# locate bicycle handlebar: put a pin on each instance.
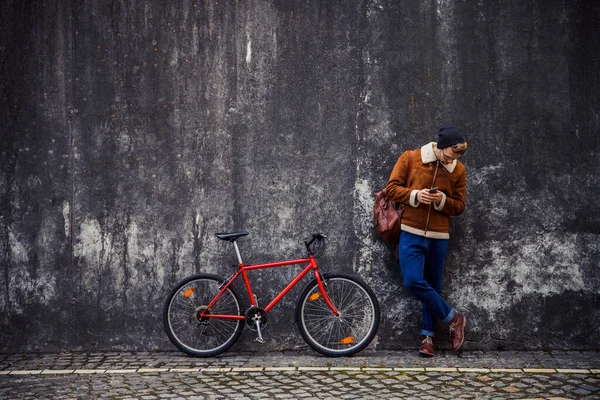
(315, 236)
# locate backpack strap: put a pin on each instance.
(410, 168)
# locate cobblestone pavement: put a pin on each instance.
(301, 375)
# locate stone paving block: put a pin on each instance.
(345, 369)
(511, 389)
(184, 370)
(377, 369)
(27, 372)
(57, 371)
(215, 370)
(274, 369)
(539, 370)
(144, 370)
(410, 369)
(582, 392)
(573, 371)
(120, 371)
(477, 370)
(313, 368)
(507, 370)
(438, 369)
(247, 369)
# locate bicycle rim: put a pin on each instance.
(347, 333)
(192, 335)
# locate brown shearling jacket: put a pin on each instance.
(428, 220)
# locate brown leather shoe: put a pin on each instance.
(457, 330)
(427, 346)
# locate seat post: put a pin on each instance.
(237, 252)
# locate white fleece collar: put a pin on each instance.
(428, 156)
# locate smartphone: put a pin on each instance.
(433, 190)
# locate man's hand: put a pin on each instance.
(427, 198)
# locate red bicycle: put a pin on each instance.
(337, 314)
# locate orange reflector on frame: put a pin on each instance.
(188, 293)
(314, 296)
(347, 340)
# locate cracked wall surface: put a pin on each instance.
(132, 131)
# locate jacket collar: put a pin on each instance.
(428, 156)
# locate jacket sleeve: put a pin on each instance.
(397, 187)
(455, 204)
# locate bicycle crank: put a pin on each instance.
(256, 320)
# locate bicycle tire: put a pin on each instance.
(180, 316)
(356, 325)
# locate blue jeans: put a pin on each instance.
(422, 263)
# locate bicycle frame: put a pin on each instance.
(243, 269)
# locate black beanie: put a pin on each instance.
(448, 136)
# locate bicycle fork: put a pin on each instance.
(328, 301)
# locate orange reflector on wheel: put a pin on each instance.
(314, 296)
(188, 293)
(347, 340)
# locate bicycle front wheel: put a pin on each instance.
(188, 330)
(349, 332)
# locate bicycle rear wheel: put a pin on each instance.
(196, 336)
(342, 335)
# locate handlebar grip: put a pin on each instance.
(315, 236)
(308, 243)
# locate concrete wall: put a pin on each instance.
(132, 131)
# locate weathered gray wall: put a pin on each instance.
(134, 130)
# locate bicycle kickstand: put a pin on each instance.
(259, 339)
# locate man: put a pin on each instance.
(436, 191)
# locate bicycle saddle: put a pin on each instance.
(232, 237)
